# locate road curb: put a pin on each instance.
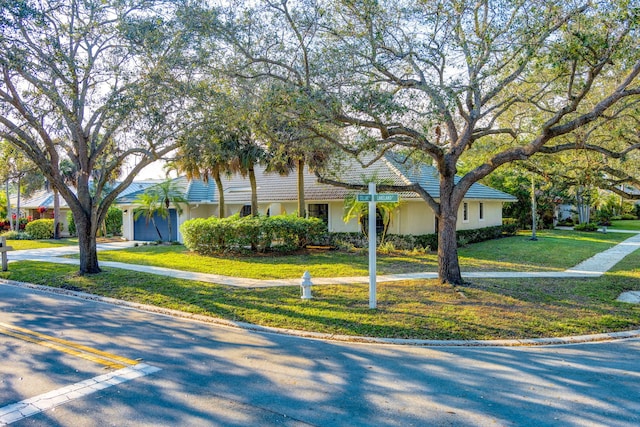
(525, 342)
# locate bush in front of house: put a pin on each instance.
(342, 240)
(509, 226)
(113, 221)
(16, 235)
(418, 242)
(479, 235)
(72, 223)
(567, 222)
(40, 229)
(288, 232)
(587, 226)
(282, 233)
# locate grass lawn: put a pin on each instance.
(41, 244)
(554, 250)
(625, 225)
(487, 308)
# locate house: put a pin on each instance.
(482, 206)
(40, 204)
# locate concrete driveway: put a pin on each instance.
(198, 374)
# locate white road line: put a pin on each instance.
(26, 408)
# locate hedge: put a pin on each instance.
(426, 241)
(283, 233)
(40, 229)
(587, 226)
(72, 223)
(113, 221)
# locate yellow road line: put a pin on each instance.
(68, 347)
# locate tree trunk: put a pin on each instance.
(9, 206)
(18, 208)
(87, 245)
(153, 221)
(56, 214)
(254, 191)
(448, 264)
(167, 204)
(582, 206)
(302, 211)
(218, 180)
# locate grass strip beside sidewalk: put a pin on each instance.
(556, 250)
(424, 309)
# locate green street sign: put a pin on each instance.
(386, 197)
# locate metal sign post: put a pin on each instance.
(373, 238)
(372, 198)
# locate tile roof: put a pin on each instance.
(273, 187)
(45, 197)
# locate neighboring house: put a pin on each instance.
(40, 204)
(277, 195)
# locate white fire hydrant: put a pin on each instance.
(306, 285)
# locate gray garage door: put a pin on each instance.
(146, 232)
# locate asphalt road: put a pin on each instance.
(220, 376)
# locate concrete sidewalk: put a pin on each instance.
(59, 251)
(595, 266)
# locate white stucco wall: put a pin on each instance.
(415, 217)
(127, 222)
(492, 214)
(412, 217)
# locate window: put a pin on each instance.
(364, 222)
(319, 210)
(245, 211)
(465, 212)
(481, 214)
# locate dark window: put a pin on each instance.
(465, 212)
(481, 210)
(364, 221)
(319, 210)
(245, 211)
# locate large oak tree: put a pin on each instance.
(91, 81)
(439, 78)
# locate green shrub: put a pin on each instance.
(479, 235)
(427, 241)
(420, 242)
(588, 226)
(113, 221)
(16, 235)
(260, 233)
(509, 226)
(628, 217)
(386, 248)
(40, 229)
(342, 240)
(72, 224)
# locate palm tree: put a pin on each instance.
(291, 144)
(360, 211)
(168, 193)
(287, 156)
(204, 154)
(247, 154)
(149, 205)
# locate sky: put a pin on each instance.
(153, 171)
